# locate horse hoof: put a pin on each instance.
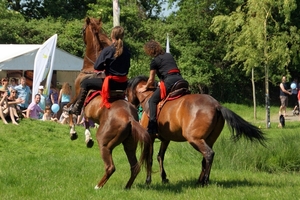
(165, 181)
(97, 187)
(90, 143)
(74, 136)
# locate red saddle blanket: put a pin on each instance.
(114, 95)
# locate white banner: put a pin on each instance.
(43, 65)
(168, 46)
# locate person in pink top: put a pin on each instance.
(34, 109)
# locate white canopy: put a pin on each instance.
(21, 57)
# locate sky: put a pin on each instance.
(167, 12)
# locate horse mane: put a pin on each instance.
(132, 83)
(131, 86)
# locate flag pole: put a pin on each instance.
(168, 46)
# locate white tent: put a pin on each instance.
(21, 57)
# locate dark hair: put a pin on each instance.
(153, 48)
(4, 79)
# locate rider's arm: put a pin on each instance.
(106, 54)
(150, 81)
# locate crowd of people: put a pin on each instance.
(16, 102)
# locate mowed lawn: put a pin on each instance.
(39, 161)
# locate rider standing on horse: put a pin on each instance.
(115, 61)
(164, 65)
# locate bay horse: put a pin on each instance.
(118, 124)
(195, 118)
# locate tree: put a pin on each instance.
(38, 9)
(258, 36)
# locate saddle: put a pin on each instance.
(179, 89)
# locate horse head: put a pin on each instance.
(133, 96)
(95, 39)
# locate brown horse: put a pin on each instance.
(118, 124)
(196, 118)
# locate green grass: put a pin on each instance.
(39, 161)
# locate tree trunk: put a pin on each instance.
(254, 96)
(116, 13)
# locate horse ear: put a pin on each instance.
(87, 20)
(100, 21)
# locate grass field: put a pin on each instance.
(39, 161)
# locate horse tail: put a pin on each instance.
(141, 135)
(239, 127)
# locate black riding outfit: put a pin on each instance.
(164, 65)
(113, 66)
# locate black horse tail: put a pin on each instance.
(239, 127)
(141, 135)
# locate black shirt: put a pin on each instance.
(113, 66)
(163, 64)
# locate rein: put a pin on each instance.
(89, 59)
(142, 101)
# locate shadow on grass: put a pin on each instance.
(191, 184)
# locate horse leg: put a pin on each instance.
(160, 158)
(88, 138)
(106, 154)
(130, 149)
(149, 178)
(208, 156)
(73, 134)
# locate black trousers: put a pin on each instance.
(155, 98)
(96, 84)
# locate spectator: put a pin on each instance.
(64, 117)
(64, 97)
(24, 93)
(13, 83)
(4, 82)
(283, 96)
(34, 110)
(5, 110)
(43, 97)
(54, 97)
(48, 115)
(294, 94)
(13, 100)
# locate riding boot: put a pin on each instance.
(79, 103)
(152, 127)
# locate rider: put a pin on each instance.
(115, 60)
(164, 65)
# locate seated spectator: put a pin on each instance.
(48, 115)
(64, 117)
(4, 82)
(33, 111)
(13, 100)
(5, 110)
(24, 93)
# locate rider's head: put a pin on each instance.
(153, 48)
